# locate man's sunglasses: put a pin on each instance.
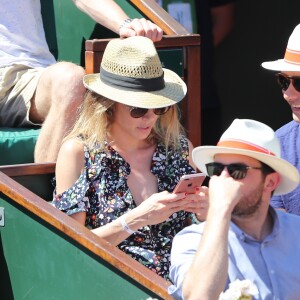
(137, 112)
(236, 171)
(284, 81)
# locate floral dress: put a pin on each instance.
(102, 192)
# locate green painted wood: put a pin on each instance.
(67, 28)
(39, 262)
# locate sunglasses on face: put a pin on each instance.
(137, 112)
(284, 81)
(236, 171)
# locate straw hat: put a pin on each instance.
(291, 60)
(256, 140)
(131, 73)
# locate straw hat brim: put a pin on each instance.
(288, 173)
(173, 92)
(280, 65)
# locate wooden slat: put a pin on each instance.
(168, 41)
(192, 111)
(79, 233)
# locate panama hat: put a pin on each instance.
(291, 60)
(131, 73)
(253, 139)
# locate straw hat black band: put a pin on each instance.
(131, 73)
(141, 84)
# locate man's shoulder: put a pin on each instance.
(192, 229)
(289, 226)
(288, 218)
(290, 129)
(190, 233)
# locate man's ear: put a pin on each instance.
(271, 182)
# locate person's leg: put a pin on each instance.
(58, 95)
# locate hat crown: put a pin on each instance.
(253, 134)
(294, 39)
(291, 60)
(134, 57)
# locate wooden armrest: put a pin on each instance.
(28, 169)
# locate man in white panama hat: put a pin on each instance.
(243, 238)
(289, 134)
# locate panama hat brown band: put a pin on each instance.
(142, 84)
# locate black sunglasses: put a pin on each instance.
(284, 81)
(138, 112)
(236, 171)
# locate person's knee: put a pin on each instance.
(69, 76)
(67, 84)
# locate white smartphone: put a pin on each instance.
(189, 182)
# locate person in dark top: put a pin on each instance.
(215, 20)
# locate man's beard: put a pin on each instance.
(250, 203)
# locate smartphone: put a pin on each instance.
(189, 182)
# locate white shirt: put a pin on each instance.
(22, 36)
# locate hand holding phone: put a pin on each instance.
(189, 182)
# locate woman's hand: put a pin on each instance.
(160, 206)
(198, 203)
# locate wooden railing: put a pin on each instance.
(9, 175)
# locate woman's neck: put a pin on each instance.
(125, 143)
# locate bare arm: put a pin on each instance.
(153, 210)
(69, 165)
(109, 14)
(223, 21)
(210, 265)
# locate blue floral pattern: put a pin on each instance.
(102, 192)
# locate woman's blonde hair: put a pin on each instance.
(96, 115)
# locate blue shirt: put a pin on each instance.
(289, 137)
(273, 264)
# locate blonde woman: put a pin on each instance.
(116, 170)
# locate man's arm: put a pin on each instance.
(109, 14)
(208, 273)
